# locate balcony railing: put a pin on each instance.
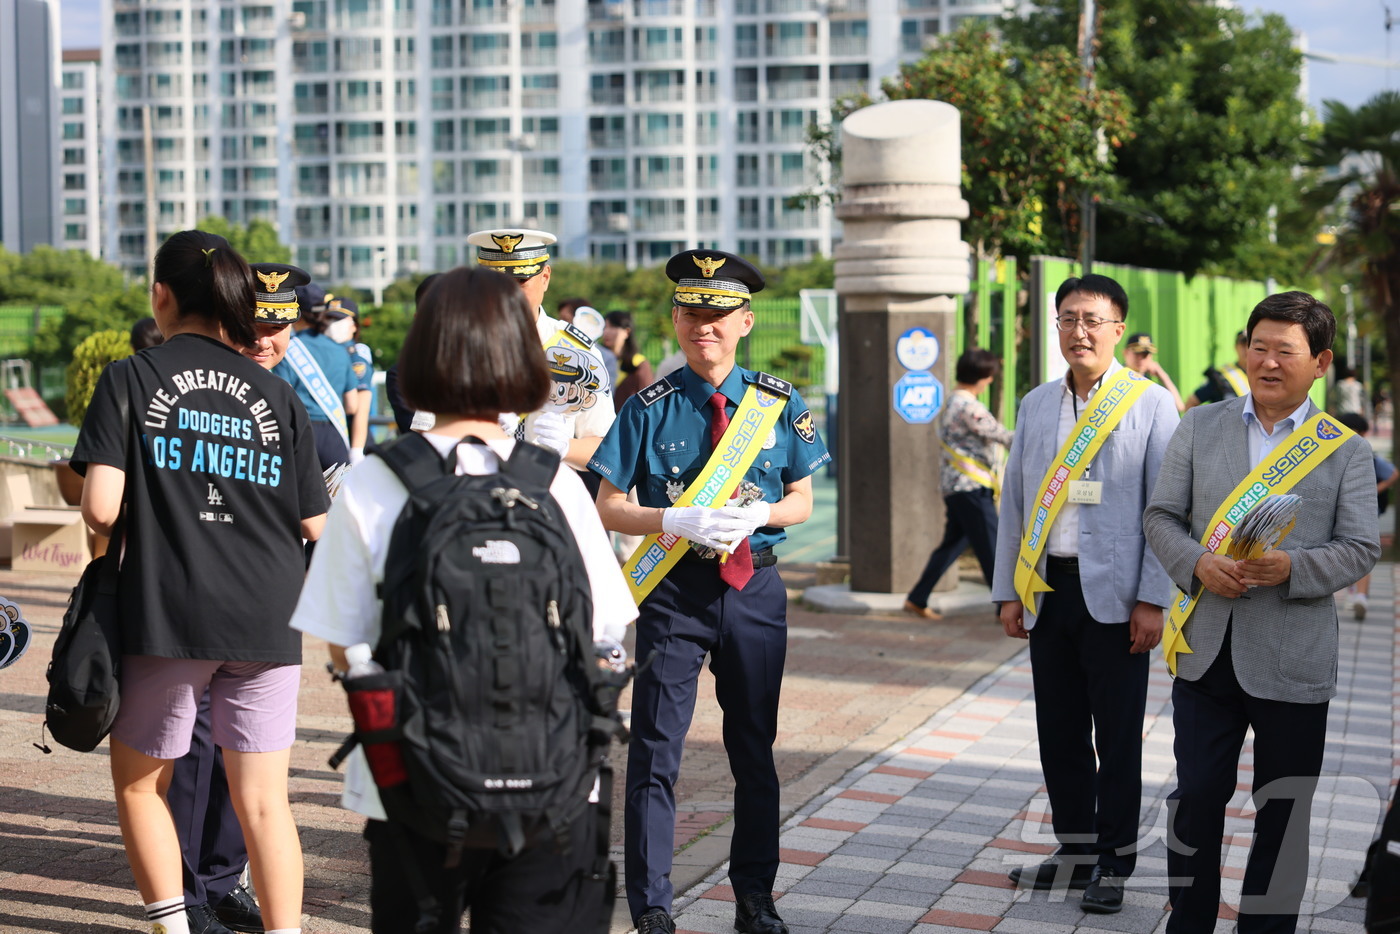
(653, 223)
(792, 6)
(539, 99)
(746, 178)
(482, 99)
(847, 87)
(787, 134)
(603, 54)
(312, 105)
(354, 187)
(746, 90)
(849, 45)
(661, 94)
(369, 228)
(791, 46)
(405, 145)
(482, 142)
(610, 181)
(706, 135)
(539, 13)
(312, 230)
(539, 57)
(652, 181)
(309, 64)
(405, 61)
(541, 182)
(607, 96)
(485, 16)
(792, 90)
(789, 177)
(361, 61)
(670, 136)
(606, 11)
(746, 48)
(488, 57)
(660, 52)
(707, 180)
(364, 19)
(360, 145)
(606, 139)
(313, 186)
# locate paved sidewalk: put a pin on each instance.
(920, 837)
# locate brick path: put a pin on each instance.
(919, 838)
(854, 686)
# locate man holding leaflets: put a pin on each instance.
(1264, 508)
(721, 456)
(1074, 576)
(580, 410)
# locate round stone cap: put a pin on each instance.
(902, 142)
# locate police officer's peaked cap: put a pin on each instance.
(310, 296)
(515, 251)
(711, 279)
(276, 295)
(337, 308)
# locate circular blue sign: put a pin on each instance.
(916, 349)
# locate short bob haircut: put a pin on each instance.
(1298, 308)
(1094, 284)
(976, 364)
(473, 350)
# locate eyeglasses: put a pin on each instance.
(1090, 324)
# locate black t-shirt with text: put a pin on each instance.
(220, 469)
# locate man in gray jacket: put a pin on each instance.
(1080, 471)
(1262, 639)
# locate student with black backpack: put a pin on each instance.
(479, 572)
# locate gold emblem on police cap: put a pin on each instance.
(708, 265)
(507, 242)
(273, 280)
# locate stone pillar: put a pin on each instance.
(901, 264)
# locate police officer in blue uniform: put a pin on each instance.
(724, 597)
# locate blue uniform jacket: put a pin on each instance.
(335, 363)
(661, 441)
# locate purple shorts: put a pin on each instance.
(253, 705)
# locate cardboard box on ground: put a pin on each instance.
(50, 539)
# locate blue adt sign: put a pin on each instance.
(917, 397)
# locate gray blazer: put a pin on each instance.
(1116, 568)
(1283, 639)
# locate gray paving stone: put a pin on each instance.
(865, 924)
(810, 886)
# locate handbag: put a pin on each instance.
(83, 674)
(84, 670)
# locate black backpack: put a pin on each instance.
(491, 719)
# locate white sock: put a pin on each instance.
(167, 916)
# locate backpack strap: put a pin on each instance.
(414, 460)
(531, 466)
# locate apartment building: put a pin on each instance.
(28, 106)
(79, 138)
(378, 133)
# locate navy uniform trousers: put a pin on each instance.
(211, 839)
(691, 613)
(1090, 697)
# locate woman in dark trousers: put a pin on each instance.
(209, 462)
(967, 436)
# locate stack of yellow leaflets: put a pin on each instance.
(1265, 527)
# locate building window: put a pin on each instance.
(74, 206)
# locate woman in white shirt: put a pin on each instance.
(471, 353)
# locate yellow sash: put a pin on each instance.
(1079, 450)
(1309, 445)
(755, 417)
(1236, 378)
(970, 467)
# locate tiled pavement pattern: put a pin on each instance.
(919, 838)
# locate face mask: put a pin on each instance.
(341, 331)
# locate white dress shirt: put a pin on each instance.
(1261, 442)
(1063, 539)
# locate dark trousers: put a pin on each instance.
(1090, 698)
(330, 446)
(971, 518)
(1210, 717)
(541, 889)
(211, 839)
(691, 613)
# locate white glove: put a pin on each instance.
(508, 421)
(551, 430)
(712, 528)
(754, 515)
(356, 455)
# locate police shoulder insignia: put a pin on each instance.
(771, 383)
(656, 390)
(579, 336)
(804, 427)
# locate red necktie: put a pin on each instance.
(737, 570)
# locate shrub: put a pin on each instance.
(90, 358)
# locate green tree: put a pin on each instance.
(1215, 92)
(1031, 135)
(256, 243)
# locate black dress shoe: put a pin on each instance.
(755, 914)
(655, 921)
(202, 920)
(239, 912)
(1104, 896)
(1055, 873)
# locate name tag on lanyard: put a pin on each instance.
(1086, 492)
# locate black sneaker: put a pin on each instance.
(1055, 873)
(755, 914)
(202, 920)
(239, 912)
(656, 921)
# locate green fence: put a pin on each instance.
(19, 322)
